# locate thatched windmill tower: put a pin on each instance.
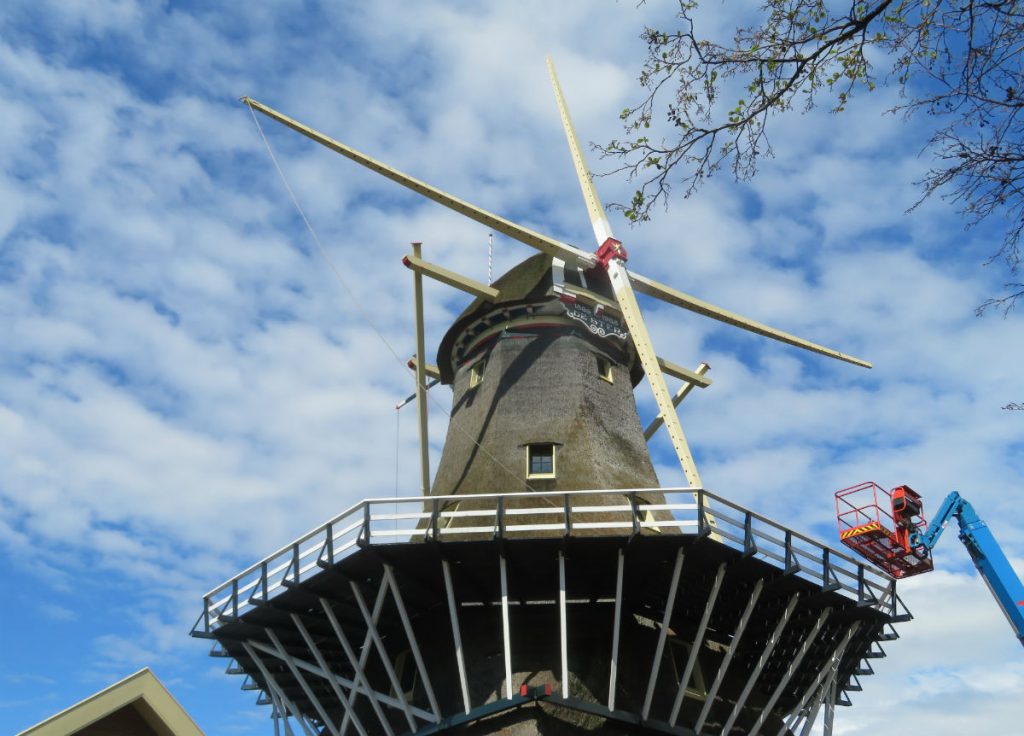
(542, 401)
(545, 584)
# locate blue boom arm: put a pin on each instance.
(988, 556)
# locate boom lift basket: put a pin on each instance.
(877, 524)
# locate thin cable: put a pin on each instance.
(316, 239)
(358, 305)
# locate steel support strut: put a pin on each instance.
(378, 642)
(761, 662)
(563, 624)
(698, 642)
(656, 664)
(808, 640)
(724, 666)
(335, 687)
(306, 689)
(506, 637)
(276, 689)
(364, 657)
(389, 576)
(456, 634)
(830, 666)
(613, 675)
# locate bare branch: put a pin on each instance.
(958, 63)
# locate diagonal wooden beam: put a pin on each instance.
(681, 394)
(684, 374)
(546, 244)
(650, 287)
(458, 281)
(429, 368)
(543, 243)
(598, 218)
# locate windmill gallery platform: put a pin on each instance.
(632, 630)
(510, 597)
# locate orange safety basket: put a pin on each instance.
(877, 524)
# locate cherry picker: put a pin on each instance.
(890, 530)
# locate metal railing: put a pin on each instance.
(693, 511)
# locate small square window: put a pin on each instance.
(604, 369)
(476, 373)
(540, 461)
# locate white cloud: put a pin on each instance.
(181, 375)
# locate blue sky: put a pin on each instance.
(184, 387)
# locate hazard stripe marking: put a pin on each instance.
(874, 526)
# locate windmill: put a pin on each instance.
(540, 586)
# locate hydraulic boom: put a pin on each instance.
(988, 556)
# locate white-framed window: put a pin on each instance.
(604, 369)
(678, 652)
(540, 460)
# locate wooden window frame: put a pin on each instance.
(554, 460)
(476, 373)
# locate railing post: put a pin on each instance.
(568, 514)
(500, 512)
(264, 574)
(893, 600)
(435, 510)
(366, 535)
(636, 513)
(701, 523)
(827, 584)
(330, 543)
(234, 598)
(749, 548)
(206, 613)
(792, 565)
(864, 595)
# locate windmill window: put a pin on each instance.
(604, 369)
(476, 373)
(540, 460)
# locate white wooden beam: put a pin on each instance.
(438, 273)
(677, 399)
(421, 377)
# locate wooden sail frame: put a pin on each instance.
(624, 283)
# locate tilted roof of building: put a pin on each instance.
(140, 697)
